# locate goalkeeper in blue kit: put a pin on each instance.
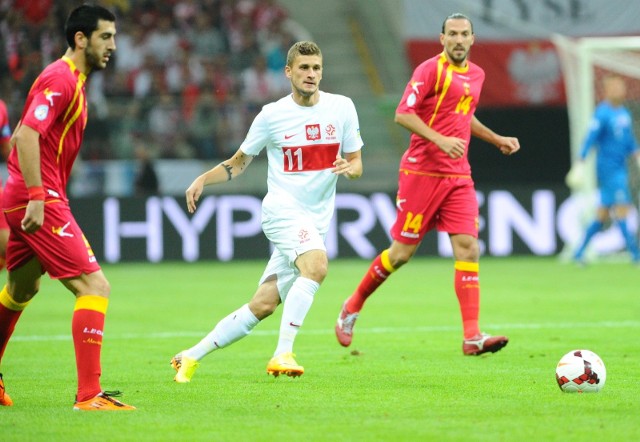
(611, 135)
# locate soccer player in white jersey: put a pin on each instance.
(311, 138)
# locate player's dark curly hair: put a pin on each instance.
(85, 19)
(457, 16)
(302, 48)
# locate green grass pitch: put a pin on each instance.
(403, 379)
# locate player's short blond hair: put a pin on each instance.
(302, 48)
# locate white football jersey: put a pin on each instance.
(302, 143)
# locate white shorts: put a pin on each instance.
(292, 233)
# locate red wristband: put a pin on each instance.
(36, 193)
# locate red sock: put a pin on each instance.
(467, 285)
(378, 272)
(87, 328)
(10, 312)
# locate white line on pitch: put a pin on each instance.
(362, 330)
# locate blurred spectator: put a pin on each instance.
(147, 79)
(178, 147)
(16, 44)
(127, 123)
(236, 21)
(184, 77)
(146, 13)
(183, 69)
(245, 47)
(221, 77)
(31, 70)
(205, 39)
(131, 46)
(167, 129)
(34, 11)
(97, 101)
(163, 40)
(120, 7)
(186, 12)
(232, 124)
(275, 42)
(51, 46)
(146, 180)
(164, 117)
(260, 85)
(266, 12)
(206, 57)
(203, 125)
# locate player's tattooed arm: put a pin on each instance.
(228, 169)
(237, 164)
(225, 171)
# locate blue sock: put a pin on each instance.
(632, 246)
(593, 228)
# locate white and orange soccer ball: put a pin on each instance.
(581, 371)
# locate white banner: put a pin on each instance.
(525, 19)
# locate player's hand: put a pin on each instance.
(508, 145)
(341, 166)
(193, 193)
(33, 217)
(454, 147)
(576, 178)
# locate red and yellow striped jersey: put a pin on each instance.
(445, 97)
(56, 108)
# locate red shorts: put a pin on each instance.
(59, 244)
(424, 202)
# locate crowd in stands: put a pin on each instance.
(187, 78)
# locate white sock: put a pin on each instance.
(296, 307)
(233, 327)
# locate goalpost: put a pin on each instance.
(585, 61)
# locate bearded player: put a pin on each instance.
(435, 188)
(44, 234)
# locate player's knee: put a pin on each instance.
(465, 248)
(266, 299)
(317, 273)
(22, 289)
(603, 215)
(313, 265)
(470, 254)
(263, 307)
(99, 287)
(621, 212)
(399, 254)
(398, 258)
(22, 294)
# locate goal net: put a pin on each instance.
(585, 61)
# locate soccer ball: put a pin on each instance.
(581, 371)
